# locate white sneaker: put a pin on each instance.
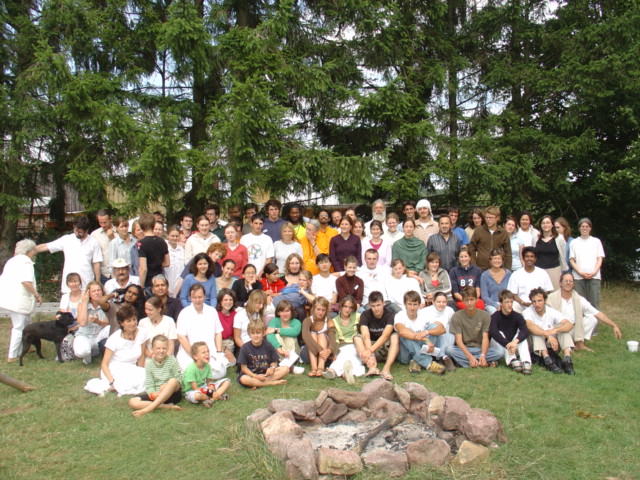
(87, 360)
(298, 370)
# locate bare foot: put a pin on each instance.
(170, 406)
(582, 346)
(140, 413)
(282, 381)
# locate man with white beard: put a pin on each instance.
(379, 212)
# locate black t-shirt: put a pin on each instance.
(376, 325)
(153, 249)
(257, 359)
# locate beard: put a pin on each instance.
(381, 216)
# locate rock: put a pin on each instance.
(435, 405)
(323, 407)
(333, 413)
(403, 396)
(416, 390)
(280, 423)
(428, 451)
(300, 453)
(258, 416)
(350, 399)
(278, 444)
(383, 408)
(301, 410)
(338, 462)
(470, 453)
(292, 472)
(322, 396)
(481, 426)
(310, 423)
(379, 388)
(354, 416)
(419, 408)
(394, 464)
(453, 413)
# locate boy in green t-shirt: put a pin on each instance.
(198, 385)
(162, 380)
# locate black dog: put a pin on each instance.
(54, 331)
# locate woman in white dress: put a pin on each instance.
(123, 361)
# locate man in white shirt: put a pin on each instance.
(259, 245)
(324, 283)
(373, 275)
(579, 312)
(549, 329)
(417, 336)
(82, 253)
(121, 276)
(524, 280)
(103, 236)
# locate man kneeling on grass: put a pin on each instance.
(509, 330)
(471, 329)
(549, 329)
(162, 380)
(258, 360)
(418, 336)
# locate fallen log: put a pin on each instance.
(12, 382)
(385, 425)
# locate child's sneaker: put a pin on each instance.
(297, 370)
(348, 372)
(436, 368)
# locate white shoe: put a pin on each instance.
(87, 360)
(348, 372)
(298, 370)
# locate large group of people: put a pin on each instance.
(345, 296)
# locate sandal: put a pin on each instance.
(387, 376)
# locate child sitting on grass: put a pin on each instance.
(199, 387)
(258, 360)
(162, 381)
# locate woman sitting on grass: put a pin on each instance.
(283, 330)
(123, 361)
(254, 310)
(319, 335)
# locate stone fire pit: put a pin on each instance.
(385, 426)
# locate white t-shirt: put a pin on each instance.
(392, 238)
(522, 282)
(166, 327)
(569, 313)
(241, 322)
(126, 351)
(259, 248)
(586, 252)
(442, 317)
(420, 324)
(175, 268)
(104, 241)
(374, 280)
(550, 319)
(112, 284)
(79, 257)
(324, 287)
(397, 287)
(282, 251)
(197, 327)
(195, 244)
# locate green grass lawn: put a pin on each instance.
(558, 427)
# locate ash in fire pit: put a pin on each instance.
(385, 426)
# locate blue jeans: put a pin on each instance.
(410, 349)
(493, 354)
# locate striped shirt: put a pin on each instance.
(158, 374)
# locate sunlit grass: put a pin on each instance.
(558, 427)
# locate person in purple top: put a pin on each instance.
(344, 245)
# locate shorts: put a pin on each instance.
(191, 394)
(174, 398)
